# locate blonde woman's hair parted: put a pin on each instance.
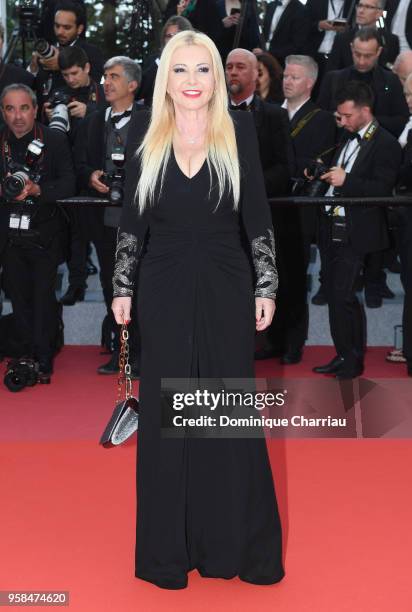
(154, 152)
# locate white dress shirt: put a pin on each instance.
(399, 24)
(335, 10)
(292, 112)
(123, 121)
(347, 157)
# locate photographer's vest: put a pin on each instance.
(113, 137)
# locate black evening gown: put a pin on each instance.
(202, 503)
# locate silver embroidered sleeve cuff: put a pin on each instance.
(264, 261)
(125, 265)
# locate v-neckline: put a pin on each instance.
(188, 178)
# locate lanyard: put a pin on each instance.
(335, 14)
(346, 160)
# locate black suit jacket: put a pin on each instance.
(275, 147)
(341, 54)
(89, 148)
(374, 173)
(316, 137)
(390, 109)
(391, 6)
(292, 32)
(317, 10)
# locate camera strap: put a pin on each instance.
(303, 122)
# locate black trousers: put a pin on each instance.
(346, 316)
(77, 259)
(30, 281)
(406, 278)
(289, 328)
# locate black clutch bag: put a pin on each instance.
(124, 420)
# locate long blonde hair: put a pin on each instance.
(154, 152)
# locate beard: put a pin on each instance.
(235, 88)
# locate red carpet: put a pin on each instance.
(67, 508)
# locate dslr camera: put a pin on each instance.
(313, 187)
(21, 373)
(58, 101)
(115, 179)
(20, 174)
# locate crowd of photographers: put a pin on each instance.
(329, 85)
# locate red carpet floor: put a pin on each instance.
(67, 508)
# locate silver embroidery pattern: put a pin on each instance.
(125, 265)
(264, 261)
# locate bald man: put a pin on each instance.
(403, 66)
(287, 334)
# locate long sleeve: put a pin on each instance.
(133, 226)
(254, 208)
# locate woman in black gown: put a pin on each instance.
(202, 503)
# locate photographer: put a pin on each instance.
(365, 165)
(69, 25)
(99, 146)
(68, 105)
(36, 169)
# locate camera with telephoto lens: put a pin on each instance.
(20, 174)
(21, 373)
(115, 179)
(44, 48)
(314, 187)
(58, 101)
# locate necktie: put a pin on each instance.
(354, 136)
(117, 118)
(242, 106)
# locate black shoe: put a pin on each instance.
(111, 367)
(373, 300)
(264, 353)
(349, 373)
(291, 357)
(45, 370)
(385, 292)
(72, 295)
(319, 299)
(90, 268)
(330, 368)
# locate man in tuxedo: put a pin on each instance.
(324, 27)
(103, 133)
(399, 21)
(390, 109)
(69, 25)
(313, 133)
(286, 28)
(287, 334)
(368, 13)
(365, 165)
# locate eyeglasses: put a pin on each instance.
(368, 7)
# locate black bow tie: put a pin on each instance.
(354, 136)
(117, 118)
(243, 106)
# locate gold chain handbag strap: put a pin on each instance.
(124, 380)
